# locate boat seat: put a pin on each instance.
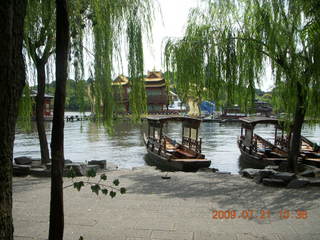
(185, 153)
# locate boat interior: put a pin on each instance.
(188, 150)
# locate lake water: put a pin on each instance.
(86, 141)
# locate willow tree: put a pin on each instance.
(12, 81)
(107, 17)
(112, 23)
(39, 41)
(237, 40)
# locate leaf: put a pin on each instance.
(78, 185)
(95, 189)
(112, 194)
(116, 182)
(91, 173)
(71, 173)
(123, 190)
(104, 191)
(103, 177)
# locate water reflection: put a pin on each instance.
(124, 146)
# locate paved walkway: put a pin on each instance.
(177, 208)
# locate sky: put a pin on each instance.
(170, 25)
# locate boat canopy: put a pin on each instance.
(251, 122)
(190, 128)
(157, 121)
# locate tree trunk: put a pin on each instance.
(12, 80)
(57, 154)
(39, 112)
(295, 138)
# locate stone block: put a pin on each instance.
(36, 162)
(23, 160)
(101, 163)
(298, 183)
(249, 172)
(273, 182)
(314, 182)
(21, 170)
(40, 172)
(285, 176)
(266, 173)
(79, 168)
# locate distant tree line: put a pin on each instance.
(76, 94)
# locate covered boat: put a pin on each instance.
(166, 153)
(257, 149)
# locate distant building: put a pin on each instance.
(48, 106)
(260, 109)
(121, 91)
(263, 108)
(156, 91)
(157, 95)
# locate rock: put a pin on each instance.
(21, 170)
(273, 182)
(250, 172)
(36, 162)
(101, 163)
(266, 173)
(223, 172)
(257, 179)
(40, 172)
(272, 167)
(79, 168)
(209, 170)
(23, 160)
(314, 182)
(285, 176)
(307, 173)
(298, 183)
(96, 168)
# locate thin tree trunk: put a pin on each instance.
(12, 80)
(57, 147)
(295, 139)
(39, 112)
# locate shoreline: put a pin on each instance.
(181, 207)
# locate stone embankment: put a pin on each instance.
(272, 176)
(24, 166)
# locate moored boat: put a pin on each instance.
(166, 153)
(257, 149)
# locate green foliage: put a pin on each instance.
(91, 173)
(123, 190)
(78, 185)
(116, 182)
(228, 43)
(103, 177)
(111, 20)
(39, 29)
(71, 173)
(112, 194)
(96, 187)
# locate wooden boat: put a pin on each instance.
(257, 149)
(166, 153)
(310, 152)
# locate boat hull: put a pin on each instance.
(258, 161)
(166, 164)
